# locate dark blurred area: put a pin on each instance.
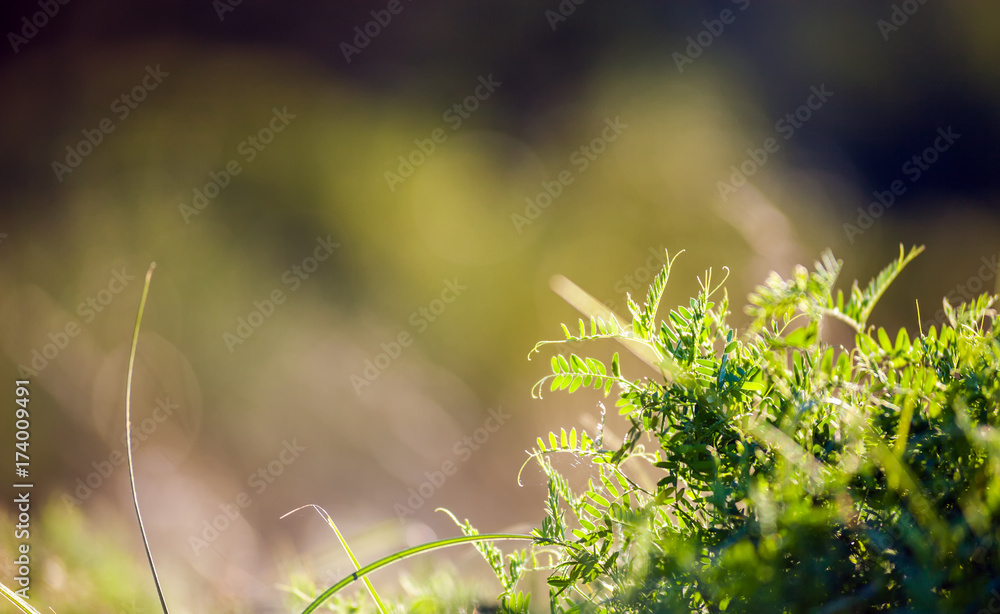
(356, 211)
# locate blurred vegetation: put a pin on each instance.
(322, 178)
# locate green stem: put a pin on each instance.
(17, 600)
(350, 553)
(128, 433)
(405, 554)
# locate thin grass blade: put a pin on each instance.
(343, 542)
(16, 599)
(405, 554)
(128, 433)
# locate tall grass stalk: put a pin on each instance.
(343, 542)
(128, 433)
(16, 599)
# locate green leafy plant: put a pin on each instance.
(771, 471)
(765, 471)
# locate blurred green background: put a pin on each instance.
(381, 187)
